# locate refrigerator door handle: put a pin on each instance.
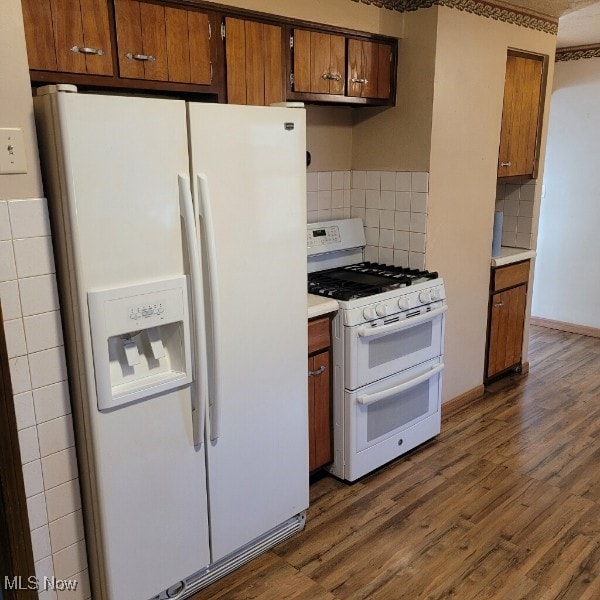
(200, 389)
(214, 408)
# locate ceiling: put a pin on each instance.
(579, 20)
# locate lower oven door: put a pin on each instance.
(391, 417)
(376, 351)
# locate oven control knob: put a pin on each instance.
(369, 313)
(403, 304)
(381, 310)
(435, 294)
(424, 297)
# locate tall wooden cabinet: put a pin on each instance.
(254, 62)
(508, 299)
(521, 115)
(68, 35)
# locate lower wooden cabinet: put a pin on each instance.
(320, 422)
(508, 299)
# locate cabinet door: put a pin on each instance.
(254, 59)
(162, 43)
(507, 318)
(519, 137)
(319, 62)
(319, 411)
(68, 35)
(369, 69)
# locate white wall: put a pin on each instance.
(567, 275)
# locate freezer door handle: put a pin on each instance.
(365, 399)
(205, 214)
(200, 387)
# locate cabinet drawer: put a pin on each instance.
(511, 275)
(318, 335)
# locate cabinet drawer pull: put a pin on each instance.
(331, 76)
(317, 372)
(85, 50)
(360, 80)
(147, 57)
(506, 164)
(499, 304)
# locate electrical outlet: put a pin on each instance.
(12, 151)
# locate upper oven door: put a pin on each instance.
(373, 352)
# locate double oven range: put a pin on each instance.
(388, 340)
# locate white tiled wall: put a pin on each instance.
(38, 373)
(515, 200)
(392, 205)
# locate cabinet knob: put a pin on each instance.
(360, 80)
(85, 50)
(506, 164)
(499, 305)
(317, 372)
(143, 57)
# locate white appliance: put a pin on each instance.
(388, 349)
(187, 375)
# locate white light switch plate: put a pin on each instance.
(12, 151)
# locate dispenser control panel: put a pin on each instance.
(140, 341)
(146, 310)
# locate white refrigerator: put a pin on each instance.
(180, 236)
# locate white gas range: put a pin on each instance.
(387, 349)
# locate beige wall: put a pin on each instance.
(16, 108)
(399, 138)
(467, 111)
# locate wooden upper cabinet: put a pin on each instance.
(254, 62)
(369, 69)
(319, 64)
(162, 43)
(72, 36)
(521, 115)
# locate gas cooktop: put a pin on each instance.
(363, 279)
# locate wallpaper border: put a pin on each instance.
(491, 10)
(578, 52)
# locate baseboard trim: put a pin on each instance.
(569, 327)
(455, 404)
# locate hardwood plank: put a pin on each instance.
(274, 64)
(39, 34)
(96, 34)
(129, 37)
(154, 40)
(235, 56)
(177, 44)
(199, 46)
(302, 51)
(255, 64)
(68, 32)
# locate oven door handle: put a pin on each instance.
(365, 399)
(404, 324)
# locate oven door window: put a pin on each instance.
(381, 412)
(377, 352)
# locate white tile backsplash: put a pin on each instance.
(388, 181)
(420, 182)
(388, 200)
(371, 217)
(70, 560)
(29, 299)
(5, 233)
(373, 180)
(516, 201)
(403, 181)
(324, 181)
(29, 218)
(373, 198)
(324, 199)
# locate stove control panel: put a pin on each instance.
(394, 304)
(323, 236)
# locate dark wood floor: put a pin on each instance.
(504, 504)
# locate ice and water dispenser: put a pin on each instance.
(140, 340)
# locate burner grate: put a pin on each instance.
(363, 279)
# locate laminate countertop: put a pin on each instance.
(511, 255)
(317, 306)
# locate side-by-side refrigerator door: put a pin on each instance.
(248, 169)
(119, 242)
